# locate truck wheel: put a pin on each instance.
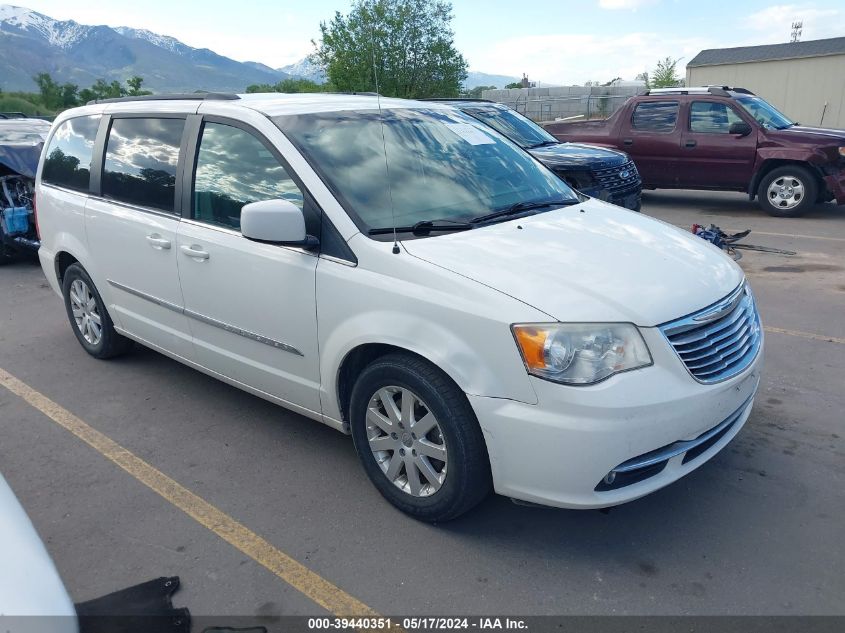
(788, 191)
(418, 438)
(87, 314)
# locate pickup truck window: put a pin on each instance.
(765, 113)
(710, 117)
(655, 116)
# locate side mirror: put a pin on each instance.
(740, 127)
(277, 222)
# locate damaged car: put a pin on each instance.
(21, 140)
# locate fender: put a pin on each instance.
(468, 367)
(770, 157)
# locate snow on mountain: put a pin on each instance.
(162, 41)
(305, 69)
(58, 33)
(31, 43)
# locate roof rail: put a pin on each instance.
(458, 99)
(13, 115)
(719, 91)
(188, 96)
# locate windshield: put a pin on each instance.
(521, 130)
(442, 165)
(765, 113)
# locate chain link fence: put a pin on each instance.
(564, 102)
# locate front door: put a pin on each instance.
(711, 157)
(651, 140)
(251, 306)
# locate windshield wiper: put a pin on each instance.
(543, 144)
(423, 228)
(519, 207)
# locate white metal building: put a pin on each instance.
(805, 80)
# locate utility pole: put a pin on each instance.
(796, 31)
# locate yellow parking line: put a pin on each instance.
(810, 335)
(297, 575)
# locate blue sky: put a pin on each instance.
(555, 42)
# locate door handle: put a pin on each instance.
(158, 242)
(627, 141)
(690, 143)
(194, 251)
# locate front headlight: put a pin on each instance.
(580, 353)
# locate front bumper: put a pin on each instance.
(559, 451)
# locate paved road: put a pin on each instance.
(757, 530)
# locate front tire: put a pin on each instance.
(788, 191)
(418, 438)
(88, 317)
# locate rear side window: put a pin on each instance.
(141, 159)
(711, 117)
(234, 168)
(655, 116)
(68, 162)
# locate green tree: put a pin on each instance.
(134, 87)
(643, 76)
(664, 75)
(515, 84)
(50, 91)
(288, 85)
(407, 45)
(475, 93)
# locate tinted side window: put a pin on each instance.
(655, 116)
(68, 162)
(233, 169)
(711, 117)
(141, 158)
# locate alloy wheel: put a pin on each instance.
(406, 441)
(83, 305)
(786, 192)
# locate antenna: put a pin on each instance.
(384, 144)
(796, 31)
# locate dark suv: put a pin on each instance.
(598, 172)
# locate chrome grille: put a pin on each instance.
(719, 341)
(617, 178)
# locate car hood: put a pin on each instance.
(578, 155)
(592, 262)
(801, 133)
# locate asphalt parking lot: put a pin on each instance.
(757, 530)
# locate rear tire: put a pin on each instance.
(418, 438)
(88, 316)
(788, 191)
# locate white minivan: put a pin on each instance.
(399, 271)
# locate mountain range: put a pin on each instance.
(31, 43)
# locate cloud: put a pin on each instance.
(613, 5)
(773, 24)
(574, 58)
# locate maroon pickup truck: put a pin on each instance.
(721, 138)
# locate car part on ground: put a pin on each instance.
(721, 138)
(729, 242)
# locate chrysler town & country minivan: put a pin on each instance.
(404, 274)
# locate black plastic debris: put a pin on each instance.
(143, 608)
